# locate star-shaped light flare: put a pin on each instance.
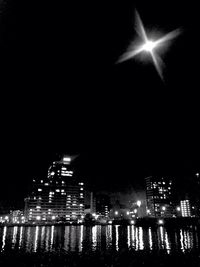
(148, 45)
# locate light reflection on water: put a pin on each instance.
(79, 238)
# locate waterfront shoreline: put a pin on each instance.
(143, 222)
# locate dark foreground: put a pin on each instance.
(123, 258)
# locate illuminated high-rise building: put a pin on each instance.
(185, 208)
(159, 194)
(60, 196)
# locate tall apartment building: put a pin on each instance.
(60, 196)
(159, 194)
(185, 208)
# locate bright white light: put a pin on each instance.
(132, 222)
(110, 222)
(178, 209)
(163, 208)
(53, 217)
(148, 45)
(135, 210)
(38, 218)
(116, 212)
(160, 221)
(127, 212)
(139, 203)
(66, 159)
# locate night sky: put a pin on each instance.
(62, 92)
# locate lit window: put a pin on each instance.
(39, 189)
(46, 184)
(38, 218)
(41, 181)
(66, 159)
(57, 190)
(81, 188)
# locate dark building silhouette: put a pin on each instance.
(102, 204)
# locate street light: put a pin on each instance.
(116, 212)
(139, 203)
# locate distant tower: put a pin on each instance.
(60, 196)
(185, 208)
(159, 196)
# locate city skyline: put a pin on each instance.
(63, 196)
(125, 193)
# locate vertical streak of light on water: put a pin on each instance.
(167, 242)
(141, 241)
(117, 236)
(47, 239)
(133, 236)
(81, 239)
(4, 237)
(182, 241)
(28, 239)
(42, 239)
(52, 237)
(36, 238)
(128, 236)
(150, 239)
(14, 238)
(94, 237)
(20, 236)
(161, 236)
(136, 239)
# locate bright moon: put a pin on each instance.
(148, 45)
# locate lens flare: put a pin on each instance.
(148, 45)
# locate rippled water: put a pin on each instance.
(80, 238)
